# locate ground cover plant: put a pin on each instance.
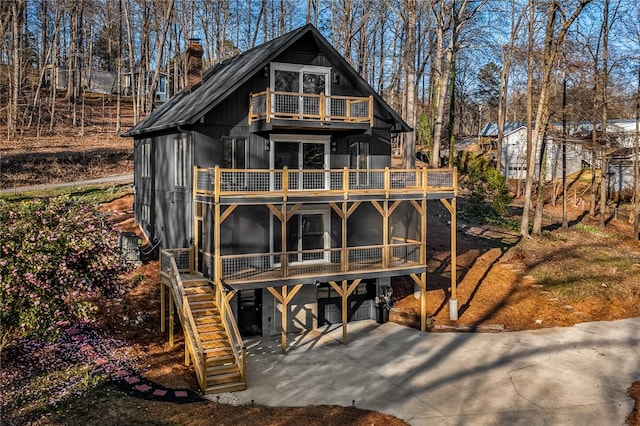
(58, 259)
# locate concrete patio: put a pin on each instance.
(576, 375)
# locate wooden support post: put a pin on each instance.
(422, 283)
(453, 300)
(195, 216)
(453, 307)
(284, 300)
(345, 291)
(283, 320)
(371, 111)
(163, 307)
(186, 338)
(284, 260)
(171, 324)
(268, 107)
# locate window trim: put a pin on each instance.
(326, 220)
(362, 173)
(145, 148)
(300, 68)
(180, 162)
(234, 140)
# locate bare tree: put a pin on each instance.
(503, 90)
(552, 42)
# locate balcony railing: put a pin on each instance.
(216, 182)
(258, 267)
(270, 105)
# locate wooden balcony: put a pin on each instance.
(269, 110)
(262, 186)
(308, 266)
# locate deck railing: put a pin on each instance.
(254, 267)
(281, 182)
(233, 333)
(271, 104)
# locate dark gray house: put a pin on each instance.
(267, 183)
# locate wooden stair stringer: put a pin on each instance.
(223, 372)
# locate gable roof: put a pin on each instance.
(222, 79)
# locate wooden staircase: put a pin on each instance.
(223, 372)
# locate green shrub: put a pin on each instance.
(57, 258)
(488, 195)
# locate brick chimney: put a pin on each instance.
(194, 62)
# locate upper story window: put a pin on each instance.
(234, 153)
(298, 78)
(181, 162)
(359, 159)
(145, 148)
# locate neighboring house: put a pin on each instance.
(267, 184)
(514, 151)
(95, 81)
(621, 135)
(103, 82)
(128, 84)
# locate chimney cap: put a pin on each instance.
(194, 40)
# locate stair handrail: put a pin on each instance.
(193, 343)
(201, 372)
(231, 328)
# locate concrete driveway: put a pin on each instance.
(559, 376)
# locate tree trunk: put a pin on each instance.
(551, 46)
(604, 192)
(636, 166)
(159, 49)
(409, 151)
(17, 10)
(531, 144)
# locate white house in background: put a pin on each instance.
(514, 151)
(621, 133)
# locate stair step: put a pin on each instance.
(214, 370)
(220, 379)
(226, 359)
(207, 319)
(200, 312)
(216, 344)
(198, 290)
(210, 328)
(194, 283)
(220, 351)
(200, 298)
(212, 335)
(195, 302)
(227, 387)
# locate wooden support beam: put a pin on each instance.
(422, 283)
(418, 207)
(453, 301)
(230, 294)
(293, 210)
(423, 227)
(284, 260)
(345, 291)
(393, 207)
(339, 211)
(163, 306)
(277, 213)
(227, 212)
(186, 339)
(353, 208)
(171, 321)
(284, 300)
